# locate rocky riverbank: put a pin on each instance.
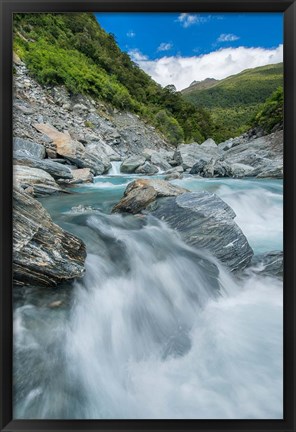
(62, 139)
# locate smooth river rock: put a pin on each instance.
(43, 253)
(205, 221)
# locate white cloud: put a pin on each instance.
(181, 71)
(227, 37)
(188, 20)
(137, 56)
(165, 46)
(131, 34)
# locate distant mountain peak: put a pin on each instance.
(206, 83)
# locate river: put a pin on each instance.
(146, 334)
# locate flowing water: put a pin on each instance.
(155, 329)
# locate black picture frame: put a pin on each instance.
(8, 7)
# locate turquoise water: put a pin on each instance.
(258, 204)
(154, 330)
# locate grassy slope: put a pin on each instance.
(235, 100)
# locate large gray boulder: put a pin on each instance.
(28, 148)
(209, 144)
(264, 155)
(94, 153)
(147, 169)
(205, 221)
(160, 160)
(43, 253)
(188, 155)
(55, 169)
(39, 182)
(130, 164)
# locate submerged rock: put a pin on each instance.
(268, 264)
(141, 192)
(205, 221)
(43, 253)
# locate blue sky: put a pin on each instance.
(179, 48)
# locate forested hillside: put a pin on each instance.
(73, 50)
(234, 101)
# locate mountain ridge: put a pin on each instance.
(234, 101)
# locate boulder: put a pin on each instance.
(177, 169)
(147, 153)
(65, 145)
(273, 170)
(95, 156)
(82, 175)
(43, 253)
(188, 155)
(160, 160)
(74, 151)
(130, 164)
(40, 182)
(173, 176)
(28, 148)
(56, 170)
(141, 192)
(264, 155)
(209, 144)
(239, 170)
(205, 221)
(198, 167)
(147, 169)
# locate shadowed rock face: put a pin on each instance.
(205, 221)
(43, 253)
(142, 192)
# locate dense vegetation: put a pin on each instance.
(234, 101)
(271, 113)
(73, 50)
